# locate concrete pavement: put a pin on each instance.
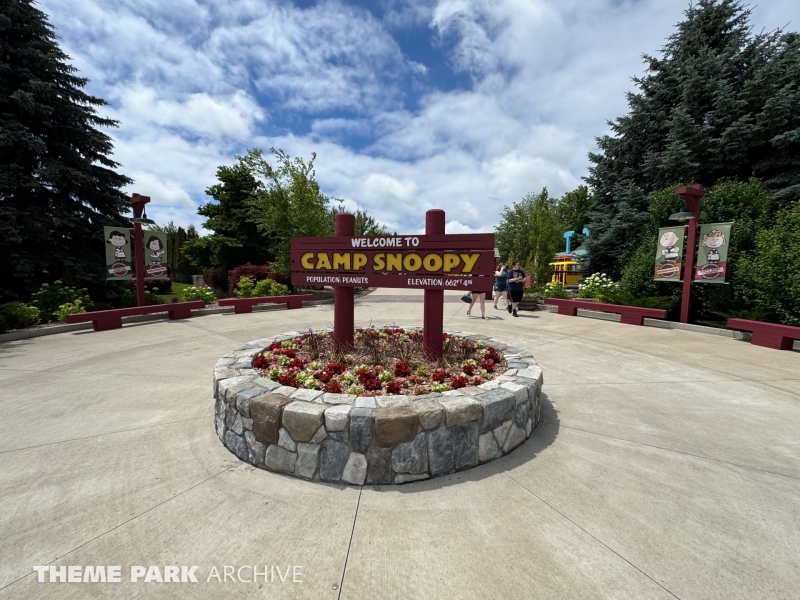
(668, 465)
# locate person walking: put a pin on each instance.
(501, 284)
(516, 278)
(476, 296)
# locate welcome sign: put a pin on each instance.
(458, 261)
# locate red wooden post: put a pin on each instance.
(691, 196)
(433, 320)
(138, 203)
(343, 303)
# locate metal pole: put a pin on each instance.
(343, 298)
(433, 320)
(138, 202)
(691, 196)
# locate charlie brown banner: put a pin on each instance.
(669, 254)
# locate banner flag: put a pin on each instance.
(119, 253)
(712, 253)
(155, 255)
(669, 254)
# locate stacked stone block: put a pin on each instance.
(340, 438)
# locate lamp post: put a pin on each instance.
(690, 216)
(139, 218)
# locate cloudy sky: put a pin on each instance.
(465, 105)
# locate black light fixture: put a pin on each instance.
(144, 220)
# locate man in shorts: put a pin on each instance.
(516, 277)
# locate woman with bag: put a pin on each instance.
(500, 284)
(475, 297)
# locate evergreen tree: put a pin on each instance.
(58, 186)
(236, 239)
(720, 103)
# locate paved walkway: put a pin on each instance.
(667, 466)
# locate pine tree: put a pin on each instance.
(720, 103)
(58, 184)
(236, 239)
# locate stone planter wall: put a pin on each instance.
(341, 438)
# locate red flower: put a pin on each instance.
(334, 368)
(372, 383)
(476, 380)
(274, 346)
(288, 352)
(334, 387)
(287, 379)
(488, 364)
(438, 375)
(468, 369)
(394, 387)
(459, 381)
(295, 363)
(324, 378)
(261, 362)
(401, 369)
(493, 354)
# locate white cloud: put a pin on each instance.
(225, 116)
(456, 227)
(418, 68)
(194, 83)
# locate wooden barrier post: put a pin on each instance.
(343, 298)
(433, 319)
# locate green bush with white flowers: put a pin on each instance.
(596, 284)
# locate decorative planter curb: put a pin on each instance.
(341, 438)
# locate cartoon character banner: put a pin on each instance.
(155, 255)
(119, 253)
(712, 253)
(669, 254)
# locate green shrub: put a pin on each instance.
(772, 273)
(151, 298)
(198, 293)
(555, 290)
(595, 284)
(721, 317)
(747, 204)
(247, 288)
(625, 298)
(16, 315)
(49, 298)
(69, 308)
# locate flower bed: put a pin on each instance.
(388, 361)
(376, 437)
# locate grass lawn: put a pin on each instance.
(177, 291)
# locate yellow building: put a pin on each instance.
(566, 270)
